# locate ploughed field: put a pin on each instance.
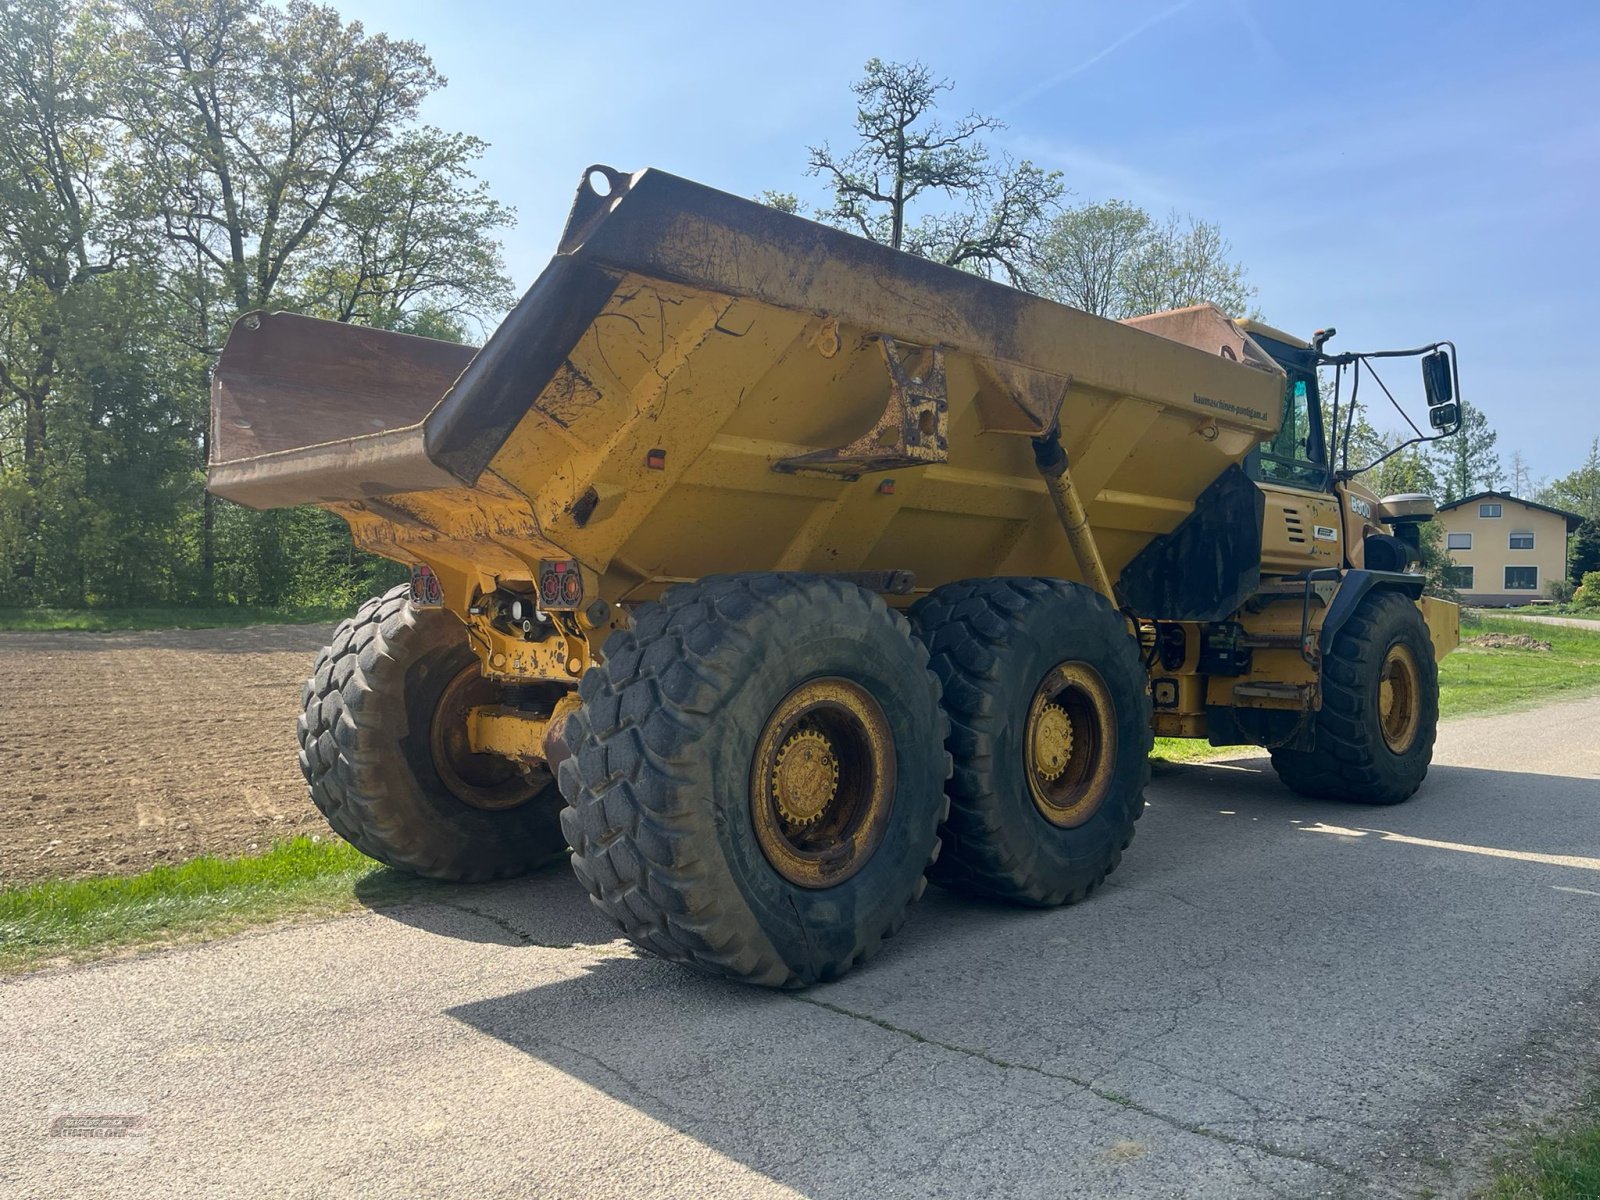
(119, 751)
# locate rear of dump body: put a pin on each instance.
(699, 384)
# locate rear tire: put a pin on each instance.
(1366, 749)
(1023, 661)
(393, 781)
(756, 778)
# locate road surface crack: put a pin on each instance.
(499, 922)
(1117, 1098)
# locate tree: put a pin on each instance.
(57, 235)
(1521, 482)
(1466, 460)
(1112, 259)
(1583, 555)
(1091, 253)
(903, 156)
(165, 164)
(1578, 492)
(1186, 262)
(412, 247)
(278, 166)
(258, 122)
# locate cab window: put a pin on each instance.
(1295, 456)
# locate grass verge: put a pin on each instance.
(1477, 680)
(1561, 1166)
(73, 919)
(105, 620)
(1185, 750)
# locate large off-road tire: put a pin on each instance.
(1050, 732)
(1380, 709)
(756, 779)
(383, 747)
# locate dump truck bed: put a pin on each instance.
(698, 383)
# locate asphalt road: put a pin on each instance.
(1274, 997)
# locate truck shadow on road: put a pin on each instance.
(1269, 989)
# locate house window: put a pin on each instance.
(1522, 579)
(1458, 541)
(1459, 578)
(1522, 541)
(1488, 510)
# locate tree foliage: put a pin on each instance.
(166, 165)
(1467, 461)
(1578, 492)
(994, 209)
(1583, 554)
(1114, 260)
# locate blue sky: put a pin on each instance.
(1406, 171)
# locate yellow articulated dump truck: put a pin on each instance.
(775, 572)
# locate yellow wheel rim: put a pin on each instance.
(1399, 698)
(1070, 744)
(822, 782)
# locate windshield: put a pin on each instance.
(1295, 455)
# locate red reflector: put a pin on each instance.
(656, 460)
(560, 585)
(886, 488)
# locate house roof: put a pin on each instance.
(1573, 519)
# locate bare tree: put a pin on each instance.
(903, 155)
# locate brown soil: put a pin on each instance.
(122, 750)
(1507, 641)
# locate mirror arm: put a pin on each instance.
(1340, 361)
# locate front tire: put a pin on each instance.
(1049, 730)
(383, 749)
(756, 778)
(1380, 709)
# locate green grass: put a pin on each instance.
(71, 919)
(1561, 1166)
(1476, 680)
(102, 620)
(1181, 750)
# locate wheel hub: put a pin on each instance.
(822, 782)
(805, 778)
(1399, 699)
(1070, 744)
(1052, 741)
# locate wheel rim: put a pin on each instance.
(1399, 698)
(1070, 744)
(481, 780)
(822, 782)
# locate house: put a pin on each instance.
(1506, 550)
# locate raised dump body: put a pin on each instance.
(696, 466)
(698, 383)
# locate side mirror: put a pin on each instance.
(1436, 380)
(1443, 416)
